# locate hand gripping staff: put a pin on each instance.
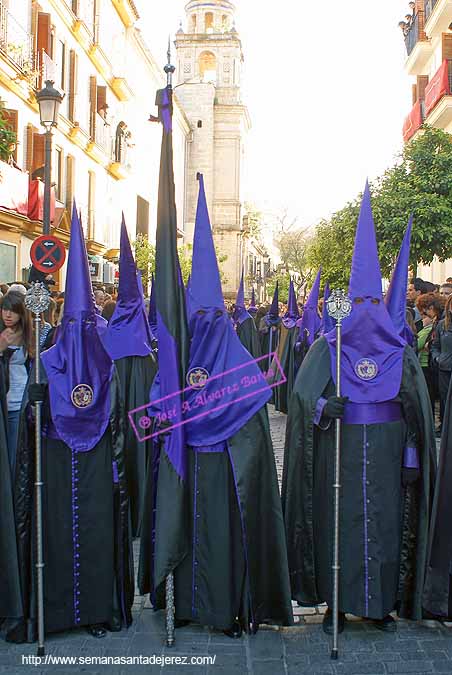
(339, 308)
(37, 301)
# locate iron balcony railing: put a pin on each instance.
(16, 42)
(412, 37)
(429, 6)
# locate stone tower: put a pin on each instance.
(209, 73)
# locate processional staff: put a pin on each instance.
(339, 308)
(37, 300)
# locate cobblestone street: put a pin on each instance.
(303, 649)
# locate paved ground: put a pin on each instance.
(304, 649)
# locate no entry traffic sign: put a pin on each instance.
(48, 254)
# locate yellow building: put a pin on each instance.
(105, 152)
(428, 40)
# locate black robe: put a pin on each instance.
(286, 355)
(384, 528)
(438, 585)
(249, 337)
(90, 544)
(237, 562)
(136, 375)
(10, 597)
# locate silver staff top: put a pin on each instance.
(339, 305)
(37, 298)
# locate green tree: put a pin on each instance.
(283, 278)
(420, 183)
(8, 137)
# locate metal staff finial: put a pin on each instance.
(339, 308)
(169, 68)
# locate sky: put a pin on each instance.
(327, 93)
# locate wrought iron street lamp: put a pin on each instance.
(49, 101)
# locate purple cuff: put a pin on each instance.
(410, 458)
(320, 407)
(115, 473)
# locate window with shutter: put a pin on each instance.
(142, 216)
(70, 176)
(92, 106)
(58, 174)
(38, 155)
(44, 39)
(73, 76)
(102, 101)
(414, 93)
(422, 82)
(447, 46)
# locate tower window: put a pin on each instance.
(208, 67)
(225, 23)
(209, 22)
(193, 23)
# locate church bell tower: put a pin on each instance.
(209, 77)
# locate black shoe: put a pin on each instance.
(181, 623)
(235, 631)
(97, 630)
(328, 622)
(388, 624)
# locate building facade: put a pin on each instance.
(428, 40)
(209, 88)
(105, 152)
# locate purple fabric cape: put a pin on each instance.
(79, 370)
(372, 351)
(395, 300)
(128, 331)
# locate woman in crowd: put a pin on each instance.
(441, 354)
(16, 348)
(424, 339)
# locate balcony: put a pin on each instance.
(438, 15)
(16, 44)
(417, 45)
(413, 121)
(438, 98)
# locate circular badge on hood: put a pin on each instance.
(197, 378)
(82, 396)
(366, 369)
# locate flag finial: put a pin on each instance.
(169, 68)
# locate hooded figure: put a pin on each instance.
(286, 351)
(327, 323)
(244, 323)
(388, 457)
(234, 576)
(88, 577)
(269, 327)
(396, 296)
(128, 341)
(253, 309)
(309, 324)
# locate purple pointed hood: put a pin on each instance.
(240, 313)
(292, 315)
(327, 322)
(372, 351)
(128, 331)
(235, 389)
(272, 316)
(309, 324)
(79, 370)
(252, 309)
(396, 296)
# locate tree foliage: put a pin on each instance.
(8, 137)
(283, 278)
(419, 183)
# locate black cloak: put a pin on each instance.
(286, 354)
(245, 574)
(384, 527)
(10, 597)
(99, 553)
(249, 337)
(136, 375)
(438, 585)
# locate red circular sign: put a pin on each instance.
(48, 254)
